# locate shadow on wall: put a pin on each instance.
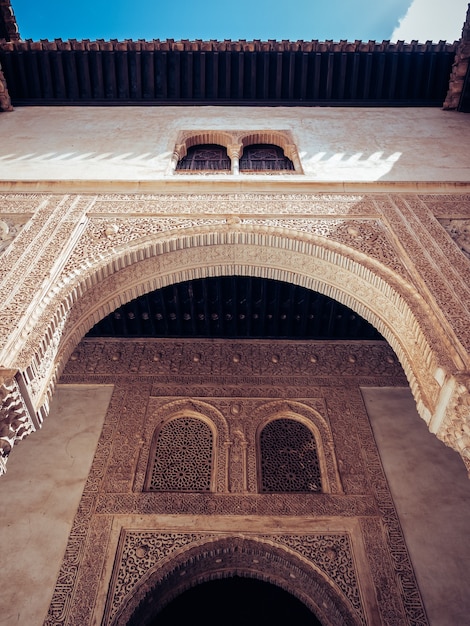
(370, 167)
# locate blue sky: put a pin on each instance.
(241, 19)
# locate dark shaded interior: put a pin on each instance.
(228, 73)
(235, 601)
(235, 307)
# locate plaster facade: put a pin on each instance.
(376, 216)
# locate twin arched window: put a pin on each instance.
(255, 158)
(183, 454)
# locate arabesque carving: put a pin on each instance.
(15, 419)
(148, 552)
(82, 256)
(158, 380)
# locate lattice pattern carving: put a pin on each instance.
(143, 568)
(289, 460)
(183, 456)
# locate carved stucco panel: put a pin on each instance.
(56, 222)
(437, 263)
(75, 599)
(141, 553)
(34, 261)
(237, 203)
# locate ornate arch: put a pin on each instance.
(315, 423)
(197, 409)
(421, 341)
(266, 560)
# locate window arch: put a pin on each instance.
(182, 458)
(205, 157)
(264, 157)
(288, 458)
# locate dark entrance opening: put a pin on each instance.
(235, 601)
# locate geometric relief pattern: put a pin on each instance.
(333, 554)
(141, 552)
(183, 456)
(226, 395)
(289, 460)
(144, 551)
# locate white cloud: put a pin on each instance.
(432, 19)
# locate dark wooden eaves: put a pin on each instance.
(227, 73)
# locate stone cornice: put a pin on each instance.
(230, 184)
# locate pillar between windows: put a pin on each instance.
(234, 152)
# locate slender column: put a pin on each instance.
(234, 151)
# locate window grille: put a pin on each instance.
(259, 157)
(208, 157)
(289, 459)
(183, 456)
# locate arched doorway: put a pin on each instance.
(232, 601)
(222, 577)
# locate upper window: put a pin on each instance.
(183, 456)
(289, 459)
(264, 156)
(208, 157)
(235, 151)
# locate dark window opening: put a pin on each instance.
(289, 459)
(262, 157)
(208, 157)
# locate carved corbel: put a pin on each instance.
(15, 419)
(5, 101)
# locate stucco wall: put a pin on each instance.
(334, 144)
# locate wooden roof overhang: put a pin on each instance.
(256, 73)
